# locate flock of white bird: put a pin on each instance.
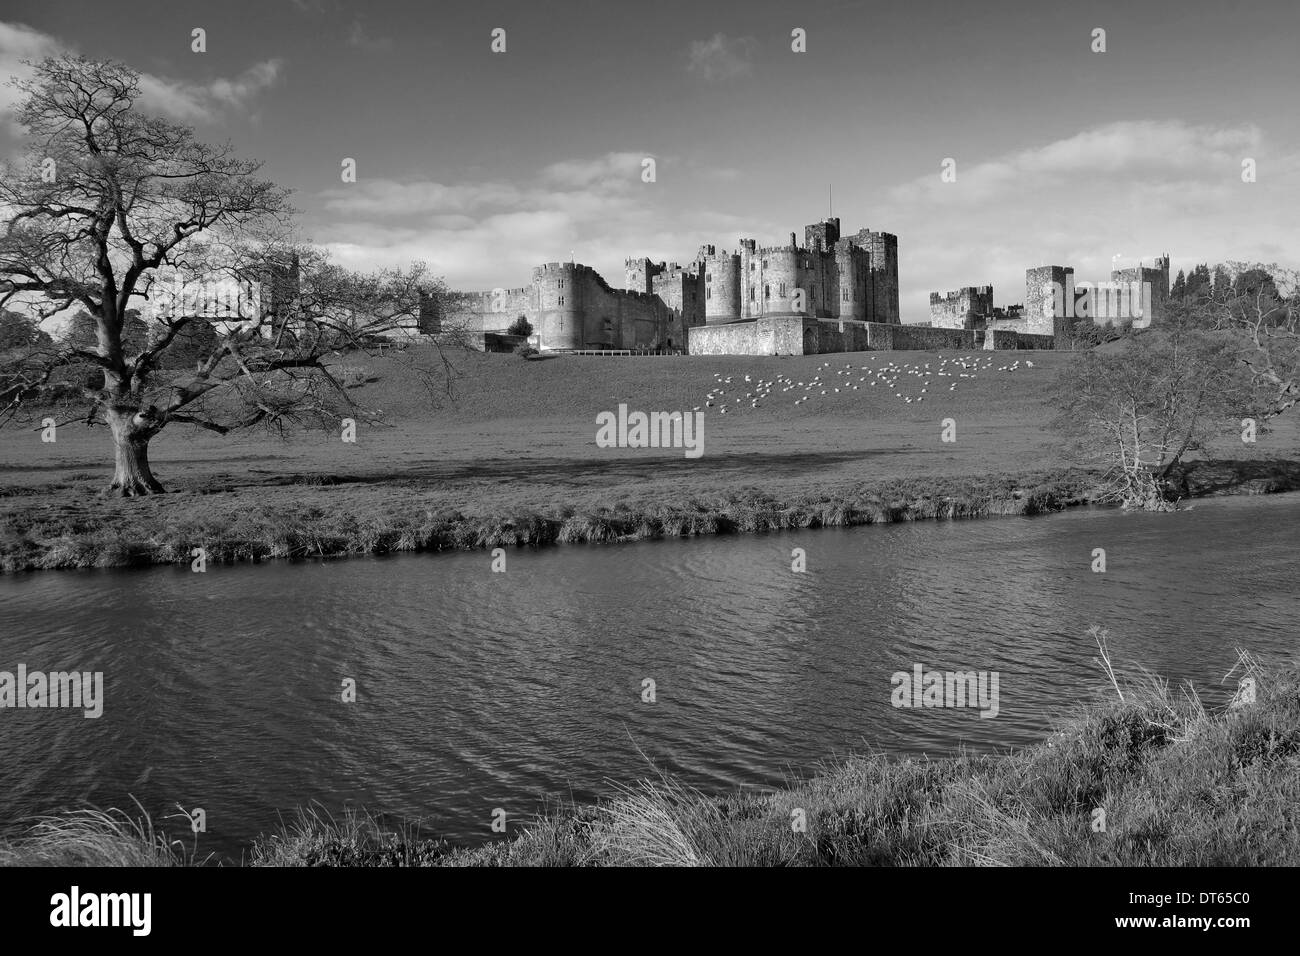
(889, 375)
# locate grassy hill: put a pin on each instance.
(503, 451)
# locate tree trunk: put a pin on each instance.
(131, 436)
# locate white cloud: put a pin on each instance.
(608, 171)
(18, 43)
(1155, 153)
(198, 102)
(358, 37)
(482, 235)
(1131, 190)
(179, 99)
(722, 57)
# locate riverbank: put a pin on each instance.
(1176, 784)
(315, 522)
(330, 525)
(511, 461)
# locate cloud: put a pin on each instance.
(359, 38)
(1156, 153)
(18, 43)
(606, 172)
(722, 57)
(481, 235)
(179, 99)
(206, 102)
(1132, 190)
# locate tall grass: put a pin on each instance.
(93, 837)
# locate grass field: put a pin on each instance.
(509, 456)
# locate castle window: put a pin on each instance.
(708, 293)
(845, 294)
(767, 292)
(708, 277)
(781, 290)
(561, 300)
(764, 263)
(751, 293)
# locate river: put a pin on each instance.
(478, 690)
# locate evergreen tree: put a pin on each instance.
(1221, 283)
(1179, 289)
(1199, 283)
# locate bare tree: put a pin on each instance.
(1260, 307)
(114, 210)
(1140, 411)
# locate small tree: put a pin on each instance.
(1141, 411)
(520, 326)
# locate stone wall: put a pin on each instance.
(738, 338)
(795, 335)
(890, 336)
(570, 306)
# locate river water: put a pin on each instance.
(478, 690)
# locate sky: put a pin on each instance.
(485, 164)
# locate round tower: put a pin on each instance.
(780, 274)
(559, 306)
(721, 288)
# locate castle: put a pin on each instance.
(1054, 302)
(831, 293)
(674, 307)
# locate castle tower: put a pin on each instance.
(721, 287)
(882, 289)
(963, 308)
(640, 274)
(822, 236)
(847, 292)
(750, 304)
(1049, 299)
(1153, 294)
(559, 307)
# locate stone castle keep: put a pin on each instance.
(831, 293)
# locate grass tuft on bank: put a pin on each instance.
(1180, 785)
(92, 837)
